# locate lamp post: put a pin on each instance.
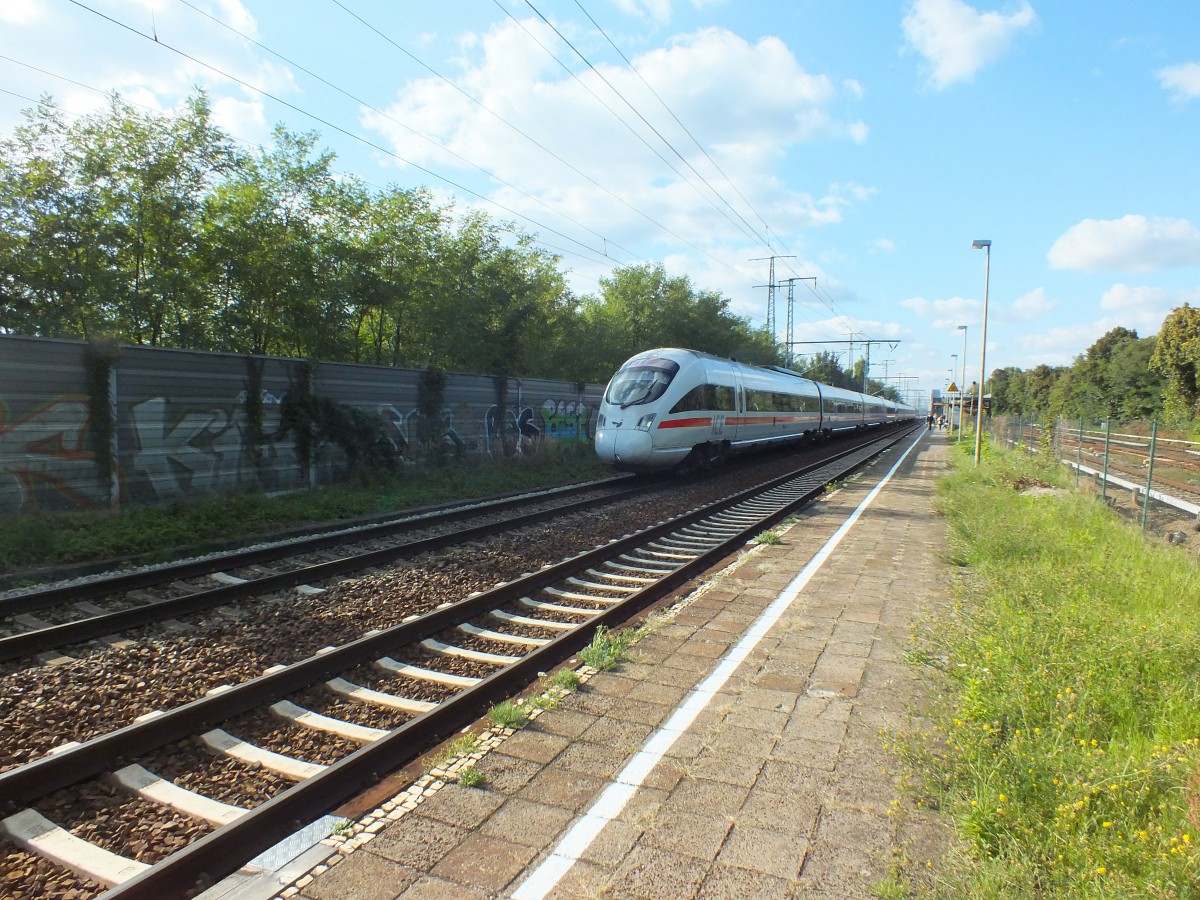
(987, 271)
(953, 376)
(962, 385)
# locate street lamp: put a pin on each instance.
(962, 385)
(987, 271)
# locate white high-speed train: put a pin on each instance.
(668, 407)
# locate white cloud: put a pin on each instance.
(20, 12)
(945, 315)
(1183, 81)
(1132, 243)
(1031, 305)
(882, 245)
(1125, 297)
(958, 40)
(653, 10)
(746, 103)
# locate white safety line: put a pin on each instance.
(608, 806)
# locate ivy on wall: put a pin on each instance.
(99, 360)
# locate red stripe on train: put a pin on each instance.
(685, 423)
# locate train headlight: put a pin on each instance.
(646, 422)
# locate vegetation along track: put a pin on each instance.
(352, 712)
(33, 620)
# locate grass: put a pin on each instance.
(151, 534)
(508, 714)
(1067, 737)
(769, 538)
(469, 776)
(607, 648)
(566, 679)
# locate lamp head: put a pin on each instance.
(962, 327)
(979, 245)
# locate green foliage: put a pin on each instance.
(768, 537)
(152, 532)
(567, 679)
(469, 776)
(1177, 358)
(508, 714)
(606, 648)
(1065, 745)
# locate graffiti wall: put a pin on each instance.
(146, 426)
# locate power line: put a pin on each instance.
(607, 241)
(528, 137)
(748, 230)
(699, 146)
(325, 122)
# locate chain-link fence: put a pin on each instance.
(1147, 472)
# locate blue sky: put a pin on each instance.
(867, 144)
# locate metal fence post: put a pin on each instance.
(1149, 473)
(1078, 452)
(1104, 476)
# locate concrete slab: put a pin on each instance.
(776, 784)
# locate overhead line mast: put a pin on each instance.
(770, 286)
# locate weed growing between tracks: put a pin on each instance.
(1066, 747)
(152, 533)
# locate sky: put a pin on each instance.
(863, 145)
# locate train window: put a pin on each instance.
(774, 401)
(706, 396)
(643, 382)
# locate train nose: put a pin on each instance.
(623, 446)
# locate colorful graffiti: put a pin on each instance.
(567, 420)
(201, 450)
(169, 448)
(44, 461)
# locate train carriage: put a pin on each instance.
(669, 406)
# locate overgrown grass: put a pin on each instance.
(607, 648)
(1066, 745)
(508, 714)
(153, 533)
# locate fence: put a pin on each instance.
(1140, 468)
(91, 427)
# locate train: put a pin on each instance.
(671, 408)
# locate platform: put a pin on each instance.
(739, 751)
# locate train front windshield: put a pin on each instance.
(643, 382)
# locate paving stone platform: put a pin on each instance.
(780, 784)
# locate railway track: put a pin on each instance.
(442, 668)
(41, 619)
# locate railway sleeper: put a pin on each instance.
(284, 766)
(362, 694)
(143, 783)
(390, 665)
(543, 606)
(298, 715)
(529, 621)
(32, 831)
(502, 637)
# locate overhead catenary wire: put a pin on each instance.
(664, 228)
(686, 130)
(605, 239)
(744, 227)
(245, 142)
(356, 137)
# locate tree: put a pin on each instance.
(1136, 387)
(150, 173)
(266, 226)
(55, 274)
(1177, 358)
